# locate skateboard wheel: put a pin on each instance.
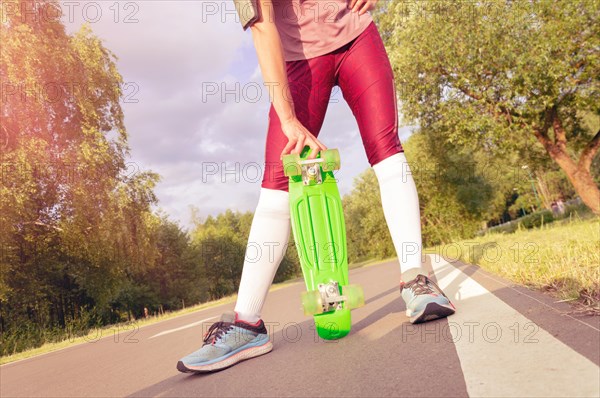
(331, 160)
(312, 302)
(355, 294)
(291, 167)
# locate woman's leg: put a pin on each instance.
(400, 203)
(266, 247)
(310, 85)
(366, 79)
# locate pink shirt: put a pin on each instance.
(309, 28)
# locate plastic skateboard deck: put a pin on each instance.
(320, 235)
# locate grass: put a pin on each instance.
(122, 330)
(562, 258)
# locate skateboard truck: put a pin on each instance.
(330, 295)
(311, 171)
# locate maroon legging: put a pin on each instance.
(363, 72)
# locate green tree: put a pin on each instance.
(174, 280)
(75, 218)
(366, 230)
(504, 76)
(222, 242)
(456, 194)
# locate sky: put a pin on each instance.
(194, 103)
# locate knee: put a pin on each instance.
(381, 153)
(383, 149)
(274, 178)
(276, 185)
(392, 167)
(274, 202)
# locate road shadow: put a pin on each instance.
(311, 367)
(382, 351)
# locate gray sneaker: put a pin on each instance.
(226, 343)
(425, 301)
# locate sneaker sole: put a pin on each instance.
(229, 361)
(432, 311)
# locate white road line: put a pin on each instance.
(191, 325)
(503, 353)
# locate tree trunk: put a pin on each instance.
(577, 172)
(545, 194)
(582, 181)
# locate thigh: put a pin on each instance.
(367, 82)
(311, 82)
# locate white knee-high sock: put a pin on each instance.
(400, 204)
(266, 247)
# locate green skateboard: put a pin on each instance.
(320, 235)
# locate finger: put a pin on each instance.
(352, 2)
(299, 145)
(357, 5)
(366, 7)
(314, 149)
(288, 147)
(321, 145)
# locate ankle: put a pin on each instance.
(411, 274)
(250, 319)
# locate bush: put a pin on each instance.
(537, 219)
(578, 210)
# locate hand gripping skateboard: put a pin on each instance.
(320, 235)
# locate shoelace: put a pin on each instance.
(422, 285)
(215, 331)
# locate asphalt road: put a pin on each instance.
(504, 340)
